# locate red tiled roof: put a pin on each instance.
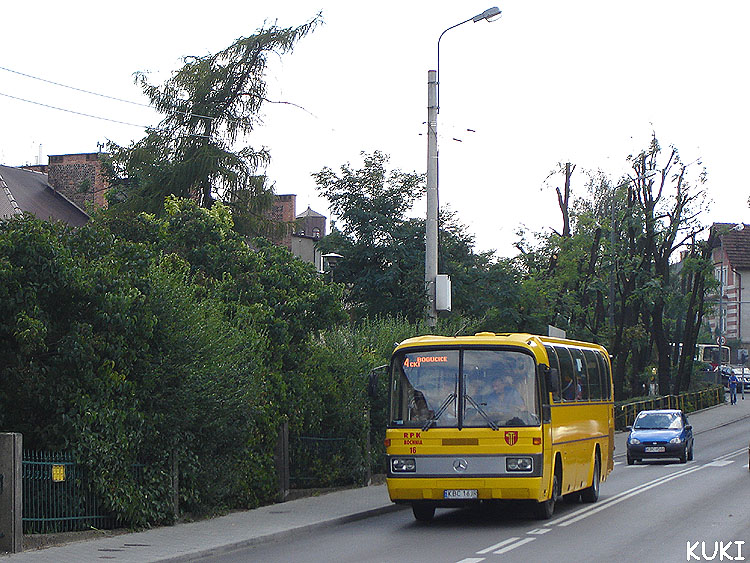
(736, 243)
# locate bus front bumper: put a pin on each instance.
(460, 491)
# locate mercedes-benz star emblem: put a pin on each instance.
(460, 464)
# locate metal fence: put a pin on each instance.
(320, 461)
(57, 496)
(688, 402)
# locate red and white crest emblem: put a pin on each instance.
(511, 437)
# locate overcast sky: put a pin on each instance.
(549, 82)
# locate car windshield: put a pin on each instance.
(658, 421)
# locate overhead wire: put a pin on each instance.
(114, 98)
(74, 88)
(92, 94)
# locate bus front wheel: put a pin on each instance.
(423, 512)
(545, 509)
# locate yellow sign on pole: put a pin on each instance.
(58, 473)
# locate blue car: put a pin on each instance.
(660, 434)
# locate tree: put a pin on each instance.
(697, 273)
(381, 266)
(209, 105)
(615, 262)
(383, 251)
(669, 204)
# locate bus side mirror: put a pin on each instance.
(372, 382)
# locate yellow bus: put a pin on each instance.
(494, 417)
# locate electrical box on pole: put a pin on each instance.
(442, 292)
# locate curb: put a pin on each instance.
(267, 538)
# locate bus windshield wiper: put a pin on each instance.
(480, 410)
(440, 411)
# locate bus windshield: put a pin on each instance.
(464, 388)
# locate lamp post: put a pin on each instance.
(431, 225)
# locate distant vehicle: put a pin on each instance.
(709, 354)
(660, 434)
(743, 377)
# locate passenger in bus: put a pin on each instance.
(509, 397)
(571, 390)
(418, 406)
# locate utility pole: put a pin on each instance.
(431, 233)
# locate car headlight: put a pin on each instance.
(403, 464)
(518, 464)
(675, 440)
(634, 440)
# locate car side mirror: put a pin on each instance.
(689, 427)
(628, 428)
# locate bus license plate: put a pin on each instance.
(654, 449)
(459, 493)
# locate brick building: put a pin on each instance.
(78, 177)
(283, 210)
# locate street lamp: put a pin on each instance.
(431, 225)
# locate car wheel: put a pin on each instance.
(591, 494)
(423, 512)
(690, 452)
(545, 509)
(631, 461)
(683, 455)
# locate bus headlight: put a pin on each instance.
(403, 464)
(518, 464)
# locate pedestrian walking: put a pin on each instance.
(732, 381)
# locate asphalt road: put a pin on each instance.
(654, 511)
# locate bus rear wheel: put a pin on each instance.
(423, 512)
(591, 494)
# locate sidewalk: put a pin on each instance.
(185, 542)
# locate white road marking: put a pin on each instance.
(730, 454)
(501, 544)
(564, 521)
(519, 543)
(720, 463)
(627, 494)
(583, 512)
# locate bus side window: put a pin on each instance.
(595, 381)
(605, 375)
(579, 366)
(554, 364)
(567, 375)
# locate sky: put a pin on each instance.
(583, 81)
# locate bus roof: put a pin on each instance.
(530, 341)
